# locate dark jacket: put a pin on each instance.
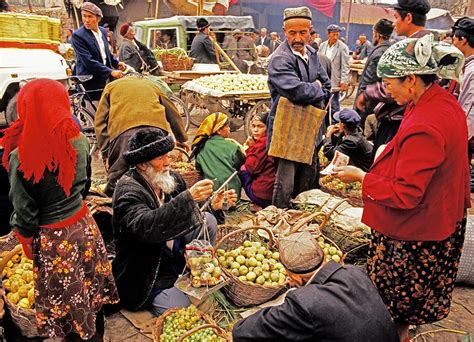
(340, 304)
(141, 229)
(261, 167)
(6, 207)
(291, 77)
(202, 49)
(129, 54)
(369, 75)
(89, 58)
(353, 145)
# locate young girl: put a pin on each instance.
(216, 157)
(258, 172)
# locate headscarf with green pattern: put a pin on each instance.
(420, 56)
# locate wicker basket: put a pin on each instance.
(8, 242)
(24, 319)
(176, 63)
(190, 177)
(160, 322)
(246, 293)
(219, 331)
(353, 199)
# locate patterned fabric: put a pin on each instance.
(416, 278)
(421, 56)
(211, 124)
(73, 279)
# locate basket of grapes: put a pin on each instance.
(252, 266)
(187, 324)
(336, 187)
(183, 165)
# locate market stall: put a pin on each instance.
(240, 96)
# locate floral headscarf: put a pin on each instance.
(420, 56)
(211, 124)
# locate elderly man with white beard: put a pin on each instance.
(155, 216)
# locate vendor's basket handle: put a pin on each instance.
(183, 151)
(204, 326)
(270, 234)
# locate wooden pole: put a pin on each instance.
(78, 23)
(348, 22)
(156, 9)
(200, 7)
(226, 56)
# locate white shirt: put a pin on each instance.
(329, 50)
(304, 55)
(100, 41)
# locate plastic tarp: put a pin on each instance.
(219, 22)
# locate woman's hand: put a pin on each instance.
(201, 190)
(229, 197)
(349, 174)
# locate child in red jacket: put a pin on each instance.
(258, 172)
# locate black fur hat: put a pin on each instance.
(147, 144)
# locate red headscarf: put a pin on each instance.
(43, 133)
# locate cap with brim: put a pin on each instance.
(384, 27)
(202, 23)
(335, 28)
(297, 12)
(465, 24)
(91, 8)
(347, 115)
(413, 6)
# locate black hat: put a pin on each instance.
(147, 144)
(202, 23)
(413, 6)
(384, 27)
(347, 115)
(465, 24)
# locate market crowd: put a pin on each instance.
(408, 139)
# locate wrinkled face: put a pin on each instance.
(258, 128)
(131, 33)
(90, 21)
(399, 88)
(161, 163)
(297, 32)
(224, 131)
(333, 37)
(402, 25)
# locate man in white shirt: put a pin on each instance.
(93, 56)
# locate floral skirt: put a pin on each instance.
(73, 279)
(416, 278)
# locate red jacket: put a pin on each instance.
(418, 188)
(262, 168)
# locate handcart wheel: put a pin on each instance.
(260, 106)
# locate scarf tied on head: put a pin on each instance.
(43, 133)
(211, 124)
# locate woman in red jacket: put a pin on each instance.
(258, 172)
(417, 191)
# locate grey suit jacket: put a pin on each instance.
(202, 49)
(339, 62)
(129, 54)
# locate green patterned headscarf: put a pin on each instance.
(421, 56)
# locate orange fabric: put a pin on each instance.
(43, 132)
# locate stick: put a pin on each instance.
(204, 207)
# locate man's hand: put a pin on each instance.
(122, 66)
(360, 102)
(331, 130)
(116, 74)
(343, 86)
(349, 174)
(230, 197)
(201, 190)
(184, 145)
(318, 83)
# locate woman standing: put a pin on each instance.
(47, 159)
(416, 192)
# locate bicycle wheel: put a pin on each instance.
(183, 111)
(260, 106)
(196, 109)
(86, 120)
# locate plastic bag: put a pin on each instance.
(203, 264)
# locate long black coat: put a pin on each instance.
(340, 304)
(141, 229)
(202, 49)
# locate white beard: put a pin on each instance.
(160, 180)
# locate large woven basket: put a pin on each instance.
(160, 322)
(176, 63)
(219, 331)
(354, 199)
(8, 242)
(245, 293)
(24, 319)
(190, 177)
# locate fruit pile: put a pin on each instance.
(176, 324)
(252, 262)
(182, 166)
(234, 82)
(18, 281)
(205, 270)
(330, 252)
(335, 184)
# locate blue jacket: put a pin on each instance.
(290, 77)
(89, 59)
